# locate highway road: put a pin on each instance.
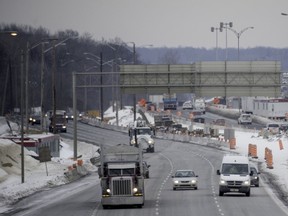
(83, 196)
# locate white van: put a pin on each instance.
(234, 175)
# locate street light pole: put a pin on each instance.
(134, 95)
(101, 87)
(216, 30)
(238, 35)
(226, 25)
(22, 118)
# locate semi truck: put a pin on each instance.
(122, 176)
(163, 120)
(142, 134)
(59, 121)
(169, 102)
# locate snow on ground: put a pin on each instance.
(11, 188)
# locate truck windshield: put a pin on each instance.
(240, 169)
(119, 172)
(144, 131)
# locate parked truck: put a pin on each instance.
(122, 176)
(142, 134)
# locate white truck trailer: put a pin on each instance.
(122, 177)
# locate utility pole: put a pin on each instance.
(42, 87)
(22, 116)
(27, 88)
(54, 86)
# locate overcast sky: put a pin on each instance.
(169, 23)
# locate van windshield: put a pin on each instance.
(240, 169)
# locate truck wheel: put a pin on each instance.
(221, 193)
(105, 206)
(152, 149)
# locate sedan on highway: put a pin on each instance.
(184, 179)
(255, 177)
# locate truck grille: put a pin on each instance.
(121, 187)
(234, 183)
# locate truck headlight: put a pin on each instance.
(133, 142)
(64, 126)
(193, 181)
(135, 190)
(108, 190)
(222, 182)
(151, 141)
(176, 181)
(246, 182)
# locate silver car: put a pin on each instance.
(184, 179)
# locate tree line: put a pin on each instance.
(79, 53)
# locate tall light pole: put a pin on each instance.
(216, 30)
(226, 25)
(238, 35)
(11, 33)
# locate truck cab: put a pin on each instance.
(141, 134)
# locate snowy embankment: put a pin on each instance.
(36, 177)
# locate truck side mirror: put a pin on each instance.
(251, 173)
(218, 172)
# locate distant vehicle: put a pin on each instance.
(273, 128)
(170, 101)
(234, 175)
(187, 105)
(245, 119)
(59, 120)
(69, 116)
(163, 121)
(220, 122)
(199, 119)
(35, 119)
(150, 106)
(199, 104)
(141, 133)
(255, 177)
(283, 127)
(146, 170)
(185, 179)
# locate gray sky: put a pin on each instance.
(170, 23)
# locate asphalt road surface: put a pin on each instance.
(83, 197)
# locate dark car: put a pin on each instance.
(199, 119)
(255, 177)
(35, 119)
(220, 122)
(283, 127)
